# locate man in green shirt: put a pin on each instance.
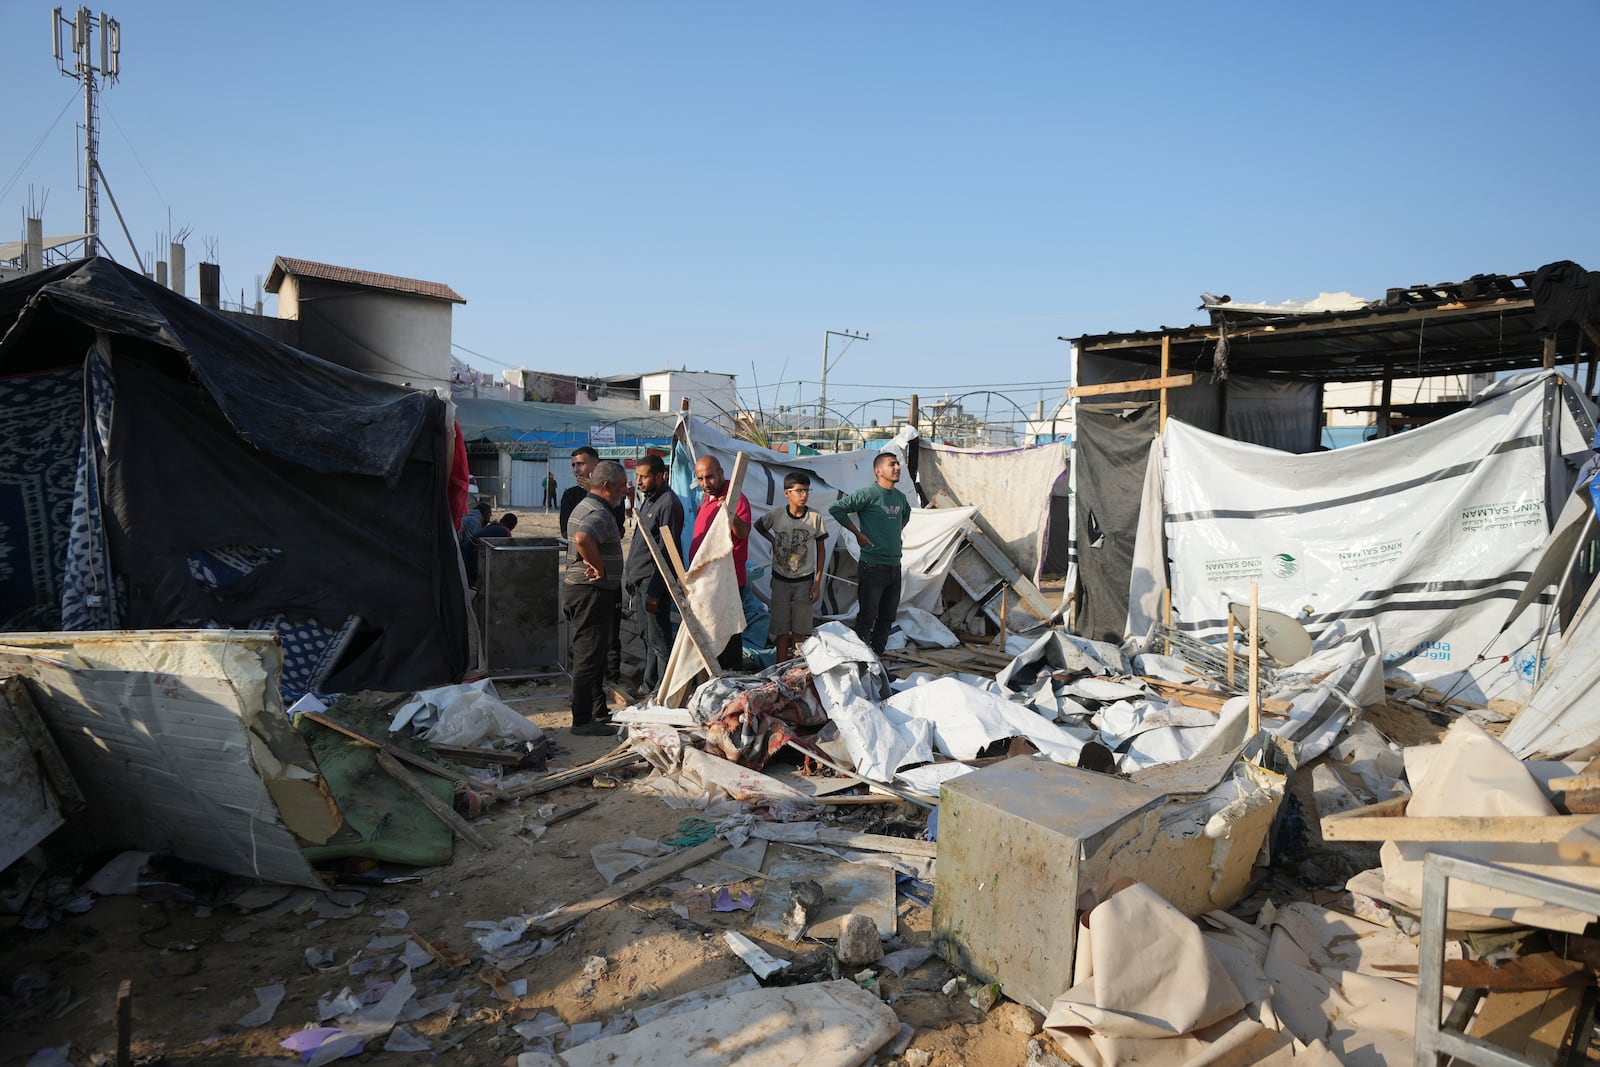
(883, 512)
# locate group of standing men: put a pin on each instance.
(595, 578)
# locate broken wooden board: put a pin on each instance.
(1387, 821)
(572, 914)
(847, 887)
(1541, 970)
(1194, 696)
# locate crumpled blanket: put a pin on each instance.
(749, 719)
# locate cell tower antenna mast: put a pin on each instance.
(81, 63)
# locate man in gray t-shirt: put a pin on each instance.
(591, 591)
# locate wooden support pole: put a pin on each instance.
(915, 414)
(124, 1023)
(1173, 381)
(1166, 362)
(1384, 398)
(1550, 352)
(1003, 603)
(442, 809)
(1166, 615)
(1255, 660)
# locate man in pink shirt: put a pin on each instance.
(708, 475)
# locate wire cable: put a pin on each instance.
(23, 166)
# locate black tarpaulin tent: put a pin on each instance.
(164, 466)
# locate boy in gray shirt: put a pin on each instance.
(798, 559)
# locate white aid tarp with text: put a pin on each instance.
(1430, 535)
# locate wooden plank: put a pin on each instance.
(422, 763)
(832, 835)
(1161, 423)
(1195, 696)
(1387, 821)
(571, 914)
(479, 756)
(1540, 970)
(1022, 585)
(442, 809)
(621, 757)
(1171, 381)
(877, 787)
(671, 568)
(56, 772)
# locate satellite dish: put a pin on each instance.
(1282, 636)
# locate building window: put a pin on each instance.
(655, 401)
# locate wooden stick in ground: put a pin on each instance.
(441, 808)
(124, 1023)
(1003, 617)
(1255, 660)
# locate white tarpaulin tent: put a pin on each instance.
(1563, 714)
(1428, 534)
(1010, 487)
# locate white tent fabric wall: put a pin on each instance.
(1423, 533)
(1010, 488)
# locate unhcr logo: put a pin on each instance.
(1284, 565)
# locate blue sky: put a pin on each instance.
(617, 187)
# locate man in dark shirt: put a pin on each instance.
(584, 459)
(658, 506)
(591, 590)
(503, 528)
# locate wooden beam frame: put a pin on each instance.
(1161, 384)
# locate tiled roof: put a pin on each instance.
(306, 268)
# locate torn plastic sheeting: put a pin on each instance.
(851, 681)
(615, 859)
(1061, 651)
(1472, 773)
(966, 719)
(470, 714)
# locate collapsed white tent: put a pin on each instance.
(1423, 533)
(1563, 714)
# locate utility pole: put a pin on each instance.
(84, 68)
(851, 337)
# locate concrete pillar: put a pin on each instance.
(175, 256)
(33, 253)
(210, 285)
(161, 273)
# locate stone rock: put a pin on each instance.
(858, 941)
(918, 1057)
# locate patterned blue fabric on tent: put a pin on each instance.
(91, 597)
(40, 416)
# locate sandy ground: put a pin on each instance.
(192, 966)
